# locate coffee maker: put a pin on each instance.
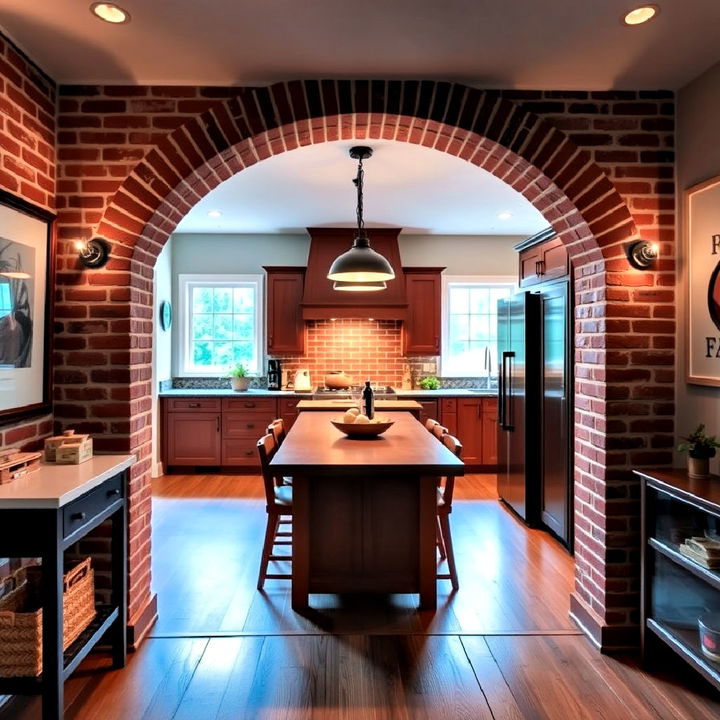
(274, 375)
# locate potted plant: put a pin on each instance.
(430, 383)
(700, 448)
(238, 377)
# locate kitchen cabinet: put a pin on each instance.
(429, 409)
(192, 431)
(543, 257)
(219, 432)
(470, 429)
(285, 326)
(489, 431)
(676, 590)
(287, 410)
(244, 422)
(448, 415)
(421, 330)
(474, 422)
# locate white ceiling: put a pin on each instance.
(418, 189)
(548, 44)
(554, 44)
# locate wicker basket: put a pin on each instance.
(21, 617)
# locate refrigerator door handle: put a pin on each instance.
(505, 406)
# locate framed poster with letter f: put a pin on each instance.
(702, 253)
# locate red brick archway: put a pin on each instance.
(529, 153)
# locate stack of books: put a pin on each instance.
(702, 550)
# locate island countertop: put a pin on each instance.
(315, 446)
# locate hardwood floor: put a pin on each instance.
(501, 648)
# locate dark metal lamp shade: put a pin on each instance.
(361, 264)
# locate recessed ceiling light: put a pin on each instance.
(109, 12)
(640, 15)
(214, 213)
(504, 215)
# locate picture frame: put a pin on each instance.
(702, 280)
(27, 273)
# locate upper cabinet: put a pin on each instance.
(285, 326)
(321, 301)
(421, 331)
(543, 257)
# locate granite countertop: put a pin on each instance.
(446, 392)
(229, 392)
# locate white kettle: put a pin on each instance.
(301, 383)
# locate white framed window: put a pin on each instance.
(469, 316)
(221, 323)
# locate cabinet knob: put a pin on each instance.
(249, 404)
(113, 492)
(250, 426)
(193, 404)
(78, 516)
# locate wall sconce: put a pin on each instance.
(642, 254)
(94, 253)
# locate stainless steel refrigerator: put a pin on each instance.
(519, 410)
(534, 407)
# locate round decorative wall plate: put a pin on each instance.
(165, 314)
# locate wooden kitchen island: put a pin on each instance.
(363, 509)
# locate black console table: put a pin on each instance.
(42, 515)
(677, 590)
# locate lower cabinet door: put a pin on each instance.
(489, 431)
(469, 427)
(193, 438)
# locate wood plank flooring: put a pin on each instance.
(501, 648)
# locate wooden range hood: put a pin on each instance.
(321, 302)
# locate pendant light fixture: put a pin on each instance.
(360, 264)
(359, 286)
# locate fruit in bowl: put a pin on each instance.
(357, 424)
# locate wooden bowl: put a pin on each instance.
(362, 429)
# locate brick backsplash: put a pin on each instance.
(364, 349)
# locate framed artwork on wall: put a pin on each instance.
(702, 255)
(26, 295)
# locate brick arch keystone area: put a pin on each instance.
(529, 153)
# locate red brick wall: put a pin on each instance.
(599, 167)
(334, 345)
(27, 170)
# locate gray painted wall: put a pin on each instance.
(698, 158)
(461, 254)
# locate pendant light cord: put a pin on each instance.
(359, 184)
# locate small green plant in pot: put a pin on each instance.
(429, 383)
(700, 447)
(239, 377)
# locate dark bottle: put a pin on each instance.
(368, 401)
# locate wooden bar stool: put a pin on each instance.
(444, 508)
(278, 504)
(277, 429)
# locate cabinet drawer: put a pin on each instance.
(257, 404)
(246, 424)
(288, 405)
(240, 451)
(85, 509)
(448, 405)
(193, 403)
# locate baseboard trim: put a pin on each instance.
(141, 624)
(606, 638)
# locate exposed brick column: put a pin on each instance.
(597, 165)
